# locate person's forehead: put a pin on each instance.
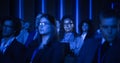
(67, 20)
(38, 16)
(9, 22)
(108, 21)
(43, 19)
(85, 23)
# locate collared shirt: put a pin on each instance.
(83, 36)
(79, 42)
(103, 41)
(68, 37)
(4, 44)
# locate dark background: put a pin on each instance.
(30, 8)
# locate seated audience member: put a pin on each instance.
(33, 34)
(11, 51)
(109, 49)
(46, 48)
(86, 31)
(67, 37)
(85, 44)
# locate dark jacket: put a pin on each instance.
(53, 52)
(14, 53)
(111, 55)
(87, 51)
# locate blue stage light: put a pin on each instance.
(77, 15)
(43, 6)
(21, 9)
(90, 9)
(61, 8)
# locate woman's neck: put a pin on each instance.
(45, 40)
(84, 32)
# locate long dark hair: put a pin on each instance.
(54, 31)
(90, 32)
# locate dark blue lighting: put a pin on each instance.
(112, 5)
(77, 15)
(61, 9)
(90, 9)
(43, 6)
(21, 9)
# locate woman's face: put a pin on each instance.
(85, 27)
(45, 27)
(68, 25)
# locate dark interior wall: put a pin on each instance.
(29, 12)
(30, 8)
(4, 8)
(52, 8)
(69, 8)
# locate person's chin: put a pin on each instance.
(41, 32)
(68, 31)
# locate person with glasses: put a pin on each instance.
(46, 48)
(11, 51)
(67, 37)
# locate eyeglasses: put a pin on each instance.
(106, 27)
(8, 26)
(68, 23)
(43, 23)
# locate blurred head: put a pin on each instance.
(10, 27)
(67, 24)
(109, 25)
(86, 26)
(26, 25)
(46, 25)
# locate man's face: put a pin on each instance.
(109, 28)
(7, 29)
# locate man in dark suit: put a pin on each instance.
(109, 50)
(11, 51)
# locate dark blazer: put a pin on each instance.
(87, 51)
(13, 54)
(51, 53)
(112, 55)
